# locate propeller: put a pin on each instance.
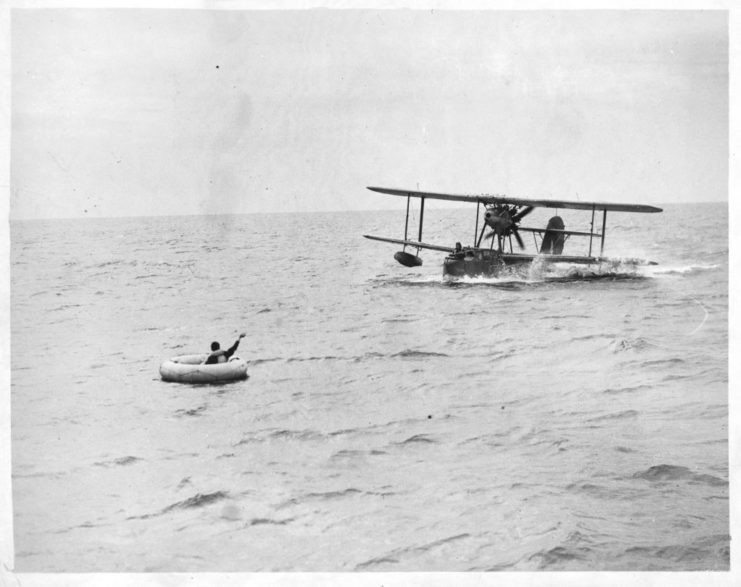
(504, 220)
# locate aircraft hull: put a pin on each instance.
(472, 262)
(480, 263)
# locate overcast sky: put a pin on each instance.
(147, 112)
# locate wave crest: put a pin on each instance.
(659, 473)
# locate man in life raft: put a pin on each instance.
(219, 356)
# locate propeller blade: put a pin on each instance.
(518, 237)
(522, 213)
(490, 235)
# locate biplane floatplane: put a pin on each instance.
(502, 215)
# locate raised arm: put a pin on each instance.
(230, 351)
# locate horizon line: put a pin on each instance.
(270, 212)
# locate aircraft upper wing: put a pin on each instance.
(497, 199)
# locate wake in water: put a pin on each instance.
(513, 279)
(539, 273)
(662, 270)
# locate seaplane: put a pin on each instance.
(491, 252)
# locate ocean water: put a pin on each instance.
(392, 420)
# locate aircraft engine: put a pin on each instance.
(504, 220)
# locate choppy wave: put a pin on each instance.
(121, 461)
(296, 435)
(399, 554)
(615, 416)
(708, 553)
(627, 389)
(419, 439)
(192, 411)
(559, 555)
(268, 521)
(660, 473)
(417, 354)
(629, 344)
(333, 494)
(196, 501)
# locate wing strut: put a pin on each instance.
(477, 243)
(402, 256)
(591, 232)
(406, 224)
(604, 223)
(476, 228)
(421, 219)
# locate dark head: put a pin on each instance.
(215, 346)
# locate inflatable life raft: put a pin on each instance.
(190, 369)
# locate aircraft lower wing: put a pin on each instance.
(545, 258)
(399, 241)
(510, 258)
(573, 259)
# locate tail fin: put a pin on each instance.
(553, 241)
